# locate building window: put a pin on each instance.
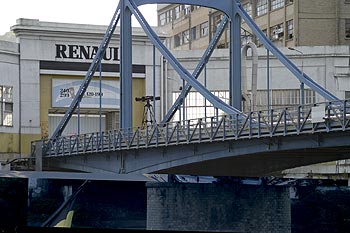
(195, 105)
(177, 40)
(6, 98)
(347, 95)
(261, 7)
(177, 12)
(347, 28)
(165, 17)
(289, 2)
(162, 19)
(248, 8)
(283, 98)
(204, 29)
(194, 33)
(185, 37)
(277, 32)
(290, 29)
(187, 9)
(275, 4)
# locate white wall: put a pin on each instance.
(9, 76)
(329, 66)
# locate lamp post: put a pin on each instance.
(302, 94)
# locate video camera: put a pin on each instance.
(147, 98)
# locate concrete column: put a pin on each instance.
(215, 207)
(39, 156)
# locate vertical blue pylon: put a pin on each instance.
(235, 60)
(125, 67)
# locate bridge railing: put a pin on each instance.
(277, 122)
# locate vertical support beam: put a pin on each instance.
(235, 60)
(126, 67)
(39, 156)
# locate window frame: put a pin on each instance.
(6, 106)
(277, 4)
(290, 29)
(204, 29)
(347, 28)
(262, 7)
(248, 7)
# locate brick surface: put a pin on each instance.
(214, 207)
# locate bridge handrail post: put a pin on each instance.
(200, 130)
(236, 126)
(84, 142)
(102, 140)
(147, 134)
(344, 115)
(178, 124)
(250, 124)
(271, 122)
(224, 127)
(211, 127)
(285, 121)
(97, 141)
(259, 124)
(137, 137)
(70, 145)
(188, 131)
(166, 133)
(299, 119)
(157, 134)
(63, 145)
(109, 139)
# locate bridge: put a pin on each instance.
(256, 145)
(233, 144)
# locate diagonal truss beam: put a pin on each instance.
(83, 87)
(184, 74)
(304, 78)
(204, 60)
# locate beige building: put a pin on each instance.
(285, 22)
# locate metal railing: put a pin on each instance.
(277, 122)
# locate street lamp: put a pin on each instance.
(302, 94)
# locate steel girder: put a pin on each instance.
(184, 74)
(204, 60)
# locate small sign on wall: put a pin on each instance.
(64, 91)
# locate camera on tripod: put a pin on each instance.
(148, 114)
(147, 98)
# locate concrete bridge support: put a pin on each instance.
(217, 207)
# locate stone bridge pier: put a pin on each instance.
(218, 207)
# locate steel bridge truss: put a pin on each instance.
(260, 124)
(233, 14)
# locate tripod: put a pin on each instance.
(148, 114)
